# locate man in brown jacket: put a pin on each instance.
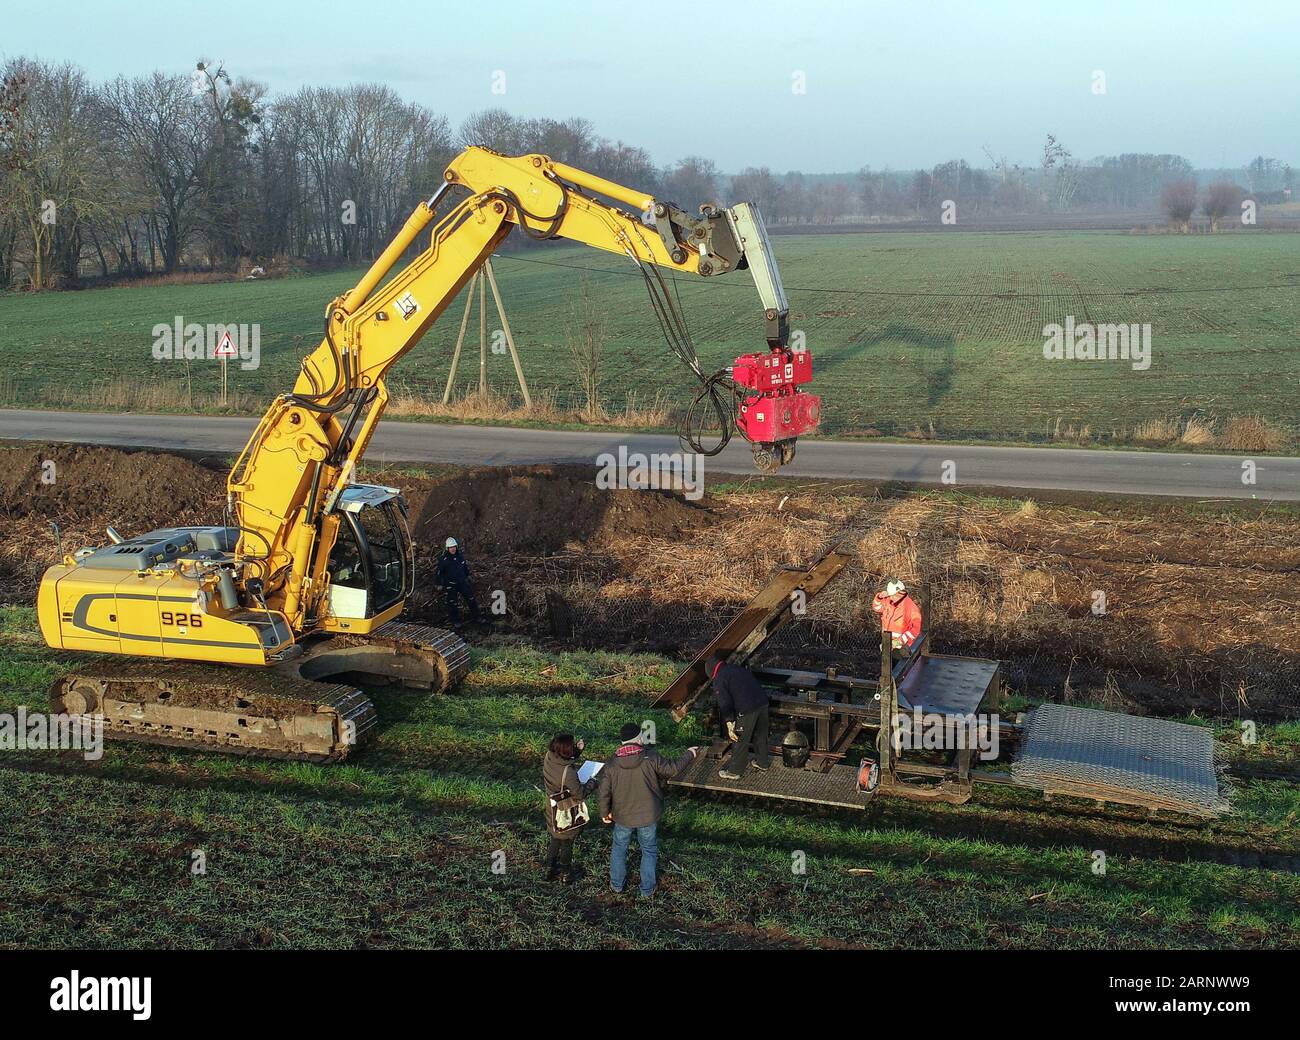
(632, 799)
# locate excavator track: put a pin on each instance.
(246, 711)
(418, 657)
(449, 652)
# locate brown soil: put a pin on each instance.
(539, 511)
(1202, 612)
(92, 488)
(135, 487)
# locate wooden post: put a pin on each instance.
(888, 708)
(482, 337)
(510, 339)
(460, 338)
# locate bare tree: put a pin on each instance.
(756, 184)
(56, 176)
(1060, 174)
(232, 111)
(585, 341)
(493, 128)
(693, 181)
(13, 101)
(161, 123)
(1221, 198)
(1265, 174)
(1178, 200)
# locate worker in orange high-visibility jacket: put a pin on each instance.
(899, 615)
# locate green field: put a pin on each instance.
(397, 848)
(907, 330)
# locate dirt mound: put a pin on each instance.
(83, 491)
(75, 484)
(541, 510)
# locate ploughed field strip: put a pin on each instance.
(1112, 757)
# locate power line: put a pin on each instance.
(1012, 295)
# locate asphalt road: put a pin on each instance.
(1067, 469)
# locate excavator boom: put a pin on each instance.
(311, 570)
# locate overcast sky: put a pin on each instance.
(899, 85)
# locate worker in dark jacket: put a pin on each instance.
(452, 576)
(632, 799)
(560, 767)
(743, 708)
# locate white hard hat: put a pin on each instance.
(894, 588)
(452, 543)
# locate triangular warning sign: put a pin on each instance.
(226, 348)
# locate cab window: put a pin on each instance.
(345, 566)
(387, 564)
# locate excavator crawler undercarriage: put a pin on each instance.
(296, 710)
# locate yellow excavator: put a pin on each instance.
(305, 582)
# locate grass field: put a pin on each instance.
(908, 330)
(397, 849)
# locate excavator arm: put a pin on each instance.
(304, 452)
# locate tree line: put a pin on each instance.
(162, 173)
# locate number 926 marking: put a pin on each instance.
(178, 618)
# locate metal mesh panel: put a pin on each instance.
(1124, 758)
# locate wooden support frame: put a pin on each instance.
(481, 280)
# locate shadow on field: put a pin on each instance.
(938, 358)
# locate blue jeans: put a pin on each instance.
(647, 838)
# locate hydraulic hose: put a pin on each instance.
(721, 397)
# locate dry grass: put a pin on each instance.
(1069, 432)
(128, 395)
(1252, 433)
(1197, 432)
(1016, 582)
(1156, 431)
(497, 407)
(1247, 433)
(178, 395)
(1200, 603)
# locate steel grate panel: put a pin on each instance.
(1124, 758)
(947, 685)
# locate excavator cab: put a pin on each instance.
(371, 566)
